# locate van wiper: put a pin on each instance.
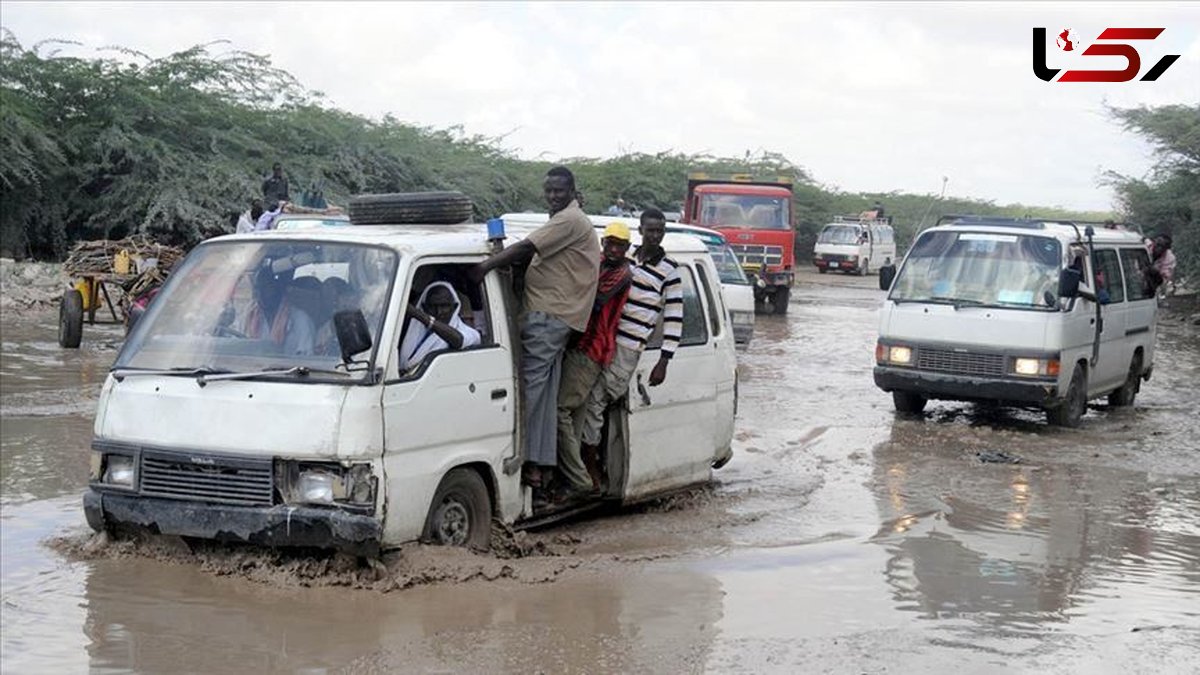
(294, 371)
(121, 374)
(959, 303)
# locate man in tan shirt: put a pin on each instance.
(560, 285)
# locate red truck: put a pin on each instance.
(755, 215)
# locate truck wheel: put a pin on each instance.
(461, 512)
(779, 302)
(401, 208)
(1124, 396)
(1070, 412)
(908, 403)
(70, 319)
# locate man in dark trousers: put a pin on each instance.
(275, 188)
(560, 287)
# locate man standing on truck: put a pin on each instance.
(275, 188)
(583, 363)
(560, 286)
(657, 290)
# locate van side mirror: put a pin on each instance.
(887, 274)
(353, 335)
(1068, 282)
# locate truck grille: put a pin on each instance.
(960, 363)
(755, 254)
(207, 478)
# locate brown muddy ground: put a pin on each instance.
(840, 539)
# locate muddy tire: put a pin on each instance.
(1070, 412)
(779, 301)
(403, 208)
(908, 403)
(70, 319)
(1124, 396)
(461, 512)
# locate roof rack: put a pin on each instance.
(1004, 221)
(861, 220)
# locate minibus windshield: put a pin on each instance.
(839, 235)
(728, 268)
(981, 269)
(266, 307)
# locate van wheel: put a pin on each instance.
(908, 403)
(70, 319)
(865, 268)
(461, 512)
(1070, 412)
(1133, 382)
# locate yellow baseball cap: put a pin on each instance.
(617, 230)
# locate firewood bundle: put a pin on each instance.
(121, 256)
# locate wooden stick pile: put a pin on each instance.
(98, 257)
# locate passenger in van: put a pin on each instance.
(583, 363)
(273, 316)
(656, 291)
(336, 296)
(560, 284)
(435, 324)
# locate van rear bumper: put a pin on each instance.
(965, 387)
(261, 525)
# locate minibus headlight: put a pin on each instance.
(118, 470)
(315, 487)
(743, 318)
(326, 483)
(1030, 367)
(901, 356)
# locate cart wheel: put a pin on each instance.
(70, 319)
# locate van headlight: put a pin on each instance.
(893, 355)
(326, 484)
(1030, 367)
(742, 318)
(115, 470)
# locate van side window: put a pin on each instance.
(695, 331)
(713, 319)
(430, 289)
(1108, 276)
(1136, 262)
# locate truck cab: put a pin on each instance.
(263, 398)
(755, 216)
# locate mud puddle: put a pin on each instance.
(841, 538)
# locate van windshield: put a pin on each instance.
(981, 269)
(250, 306)
(839, 234)
(729, 270)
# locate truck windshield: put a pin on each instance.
(249, 306)
(981, 269)
(839, 234)
(728, 268)
(745, 211)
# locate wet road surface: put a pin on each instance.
(840, 539)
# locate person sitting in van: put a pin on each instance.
(435, 324)
(336, 296)
(272, 316)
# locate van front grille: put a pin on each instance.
(207, 478)
(960, 363)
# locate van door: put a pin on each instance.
(1142, 310)
(451, 409)
(671, 426)
(1113, 362)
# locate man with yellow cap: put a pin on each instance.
(583, 363)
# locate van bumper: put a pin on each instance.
(965, 387)
(262, 525)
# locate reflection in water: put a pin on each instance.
(1016, 545)
(150, 616)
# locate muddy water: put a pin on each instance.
(840, 539)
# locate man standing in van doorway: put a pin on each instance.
(560, 285)
(583, 363)
(656, 291)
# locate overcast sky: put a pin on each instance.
(865, 96)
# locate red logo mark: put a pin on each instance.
(1133, 61)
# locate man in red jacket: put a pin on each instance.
(582, 364)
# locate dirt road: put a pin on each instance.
(840, 539)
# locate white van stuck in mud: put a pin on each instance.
(262, 397)
(1020, 312)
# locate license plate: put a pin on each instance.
(832, 264)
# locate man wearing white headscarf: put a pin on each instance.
(434, 325)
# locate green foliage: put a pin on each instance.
(176, 147)
(1169, 199)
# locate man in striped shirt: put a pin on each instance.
(657, 291)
